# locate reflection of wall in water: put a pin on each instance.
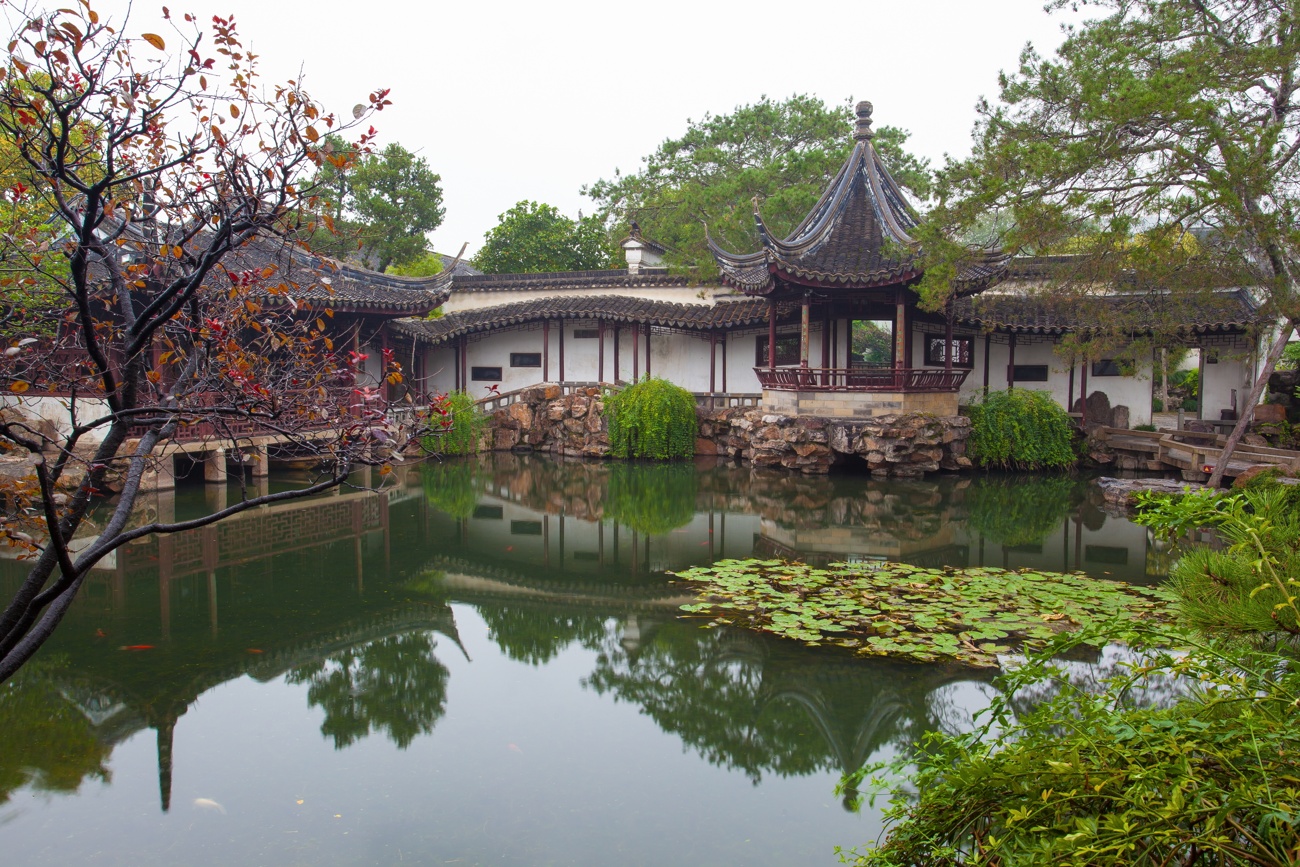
(1086, 541)
(506, 530)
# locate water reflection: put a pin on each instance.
(759, 706)
(352, 597)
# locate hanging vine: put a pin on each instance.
(652, 419)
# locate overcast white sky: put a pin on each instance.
(511, 101)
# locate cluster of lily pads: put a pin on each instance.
(967, 616)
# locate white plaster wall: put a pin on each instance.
(740, 364)
(1233, 371)
(1131, 391)
(684, 360)
(58, 411)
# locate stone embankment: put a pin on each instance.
(904, 446)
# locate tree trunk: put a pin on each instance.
(1248, 412)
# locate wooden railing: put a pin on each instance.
(1194, 451)
(892, 379)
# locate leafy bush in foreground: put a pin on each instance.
(1089, 778)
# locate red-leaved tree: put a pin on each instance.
(166, 298)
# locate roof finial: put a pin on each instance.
(862, 132)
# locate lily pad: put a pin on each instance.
(966, 616)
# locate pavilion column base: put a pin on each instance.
(858, 404)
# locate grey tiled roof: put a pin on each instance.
(319, 282)
(607, 308)
(1040, 313)
(560, 280)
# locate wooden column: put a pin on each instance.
(464, 364)
(546, 350)
(724, 364)
(1069, 390)
(1011, 363)
(771, 334)
(647, 349)
(805, 331)
(600, 352)
(949, 349)
(455, 366)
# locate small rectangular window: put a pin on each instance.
(935, 357)
(787, 350)
(585, 334)
(485, 374)
(1030, 373)
(495, 513)
(525, 528)
(1109, 367)
(525, 359)
(586, 556)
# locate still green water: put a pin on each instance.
(484, 665)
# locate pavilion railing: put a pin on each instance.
(890, 379)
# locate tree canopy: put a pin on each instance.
(533, 237)
(1156, 119)
(381, 205)
(173, 186)
(781, 152)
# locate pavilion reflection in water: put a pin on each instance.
(549, 554)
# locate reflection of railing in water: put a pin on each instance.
(259, 533)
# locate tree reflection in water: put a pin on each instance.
(753, 704)
(526, 635)
(395, 685)
(49, 744)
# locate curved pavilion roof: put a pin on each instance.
(857, 236)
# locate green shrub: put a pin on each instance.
(1290, 356)
(652, 419)
(465, 432)
(1188, 381)
(1150, 428)
(1157, 405)
(1021, 429)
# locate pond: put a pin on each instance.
(485, 665)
